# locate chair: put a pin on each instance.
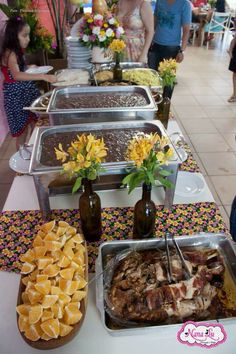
(219, 24)
(194, 28)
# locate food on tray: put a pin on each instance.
(116, 148)
(104, 75)
(142, 77)
(44, 101)
(69, 77)
(115, 83)
(139, 291)
(101, 100)
(54, 283)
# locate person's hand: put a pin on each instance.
(50, 78)
(179, 57)
(143, 58)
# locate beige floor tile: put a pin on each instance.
(219, 83)
(219, 112)
(225, 187)
(232, 107)
(194, 126)
(188, 112)
(213, 190)
(224, 215)
(181, 100)
(226, 125)
(199, 162)
(209, 142)
(219, 164)
(4, 189)
(202, 90)
(6, 174)
(227, 90)
(209, 100)
(230, 140)
(181, 90)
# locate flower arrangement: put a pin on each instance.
(83, 158)
(149, 152)
(99, 30)
(167, 71)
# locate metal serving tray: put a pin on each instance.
(99, 114)
(159, 87)
(89, 71)
(37, 106)
(205, 240)
(36, 167)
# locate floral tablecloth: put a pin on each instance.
(18, 228)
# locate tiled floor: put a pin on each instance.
(208, 121)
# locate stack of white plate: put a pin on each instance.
(78, 56)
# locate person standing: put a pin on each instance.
(137, 19)
(172, 26)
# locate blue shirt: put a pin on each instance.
(170, 19)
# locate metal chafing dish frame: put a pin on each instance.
(219, 241)
(41, 173)
(99, 114)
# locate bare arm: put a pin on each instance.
(185, 36)
(148, 21)
(22, 76)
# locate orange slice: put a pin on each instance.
(57, 311)
(32, 333)
(25, 298)
(41, 234)
(28, 256)
(78, 238)
(44, 261)
(47, 315)
(44, 336)
(55, 290)
(35, 314)
(68, 286)
(64, 299)
(38, 241)
(65, 329)
(72, 313)
(61, 230)
(51, 270)
(27, 268)
(67, 273)
(63, 224)
(49, 300)
(78, 295)
(43, 287)
(56, 255)
(23, 323)
(25, 280)
(23, 310)
(33, 275)
(40, 251)
(41, 277)
(71, 231)
(51, 328)
(63, 261)
(53, 245)
(34, 296)
(48, 226)
(68, 252)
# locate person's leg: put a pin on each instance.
(154, 56)
(233, 97)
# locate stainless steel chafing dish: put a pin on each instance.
(220, 242)
(59, 116)
(45, 174)
(157, 88)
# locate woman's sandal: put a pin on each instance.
(232, 99)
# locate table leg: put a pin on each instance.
(43, 198)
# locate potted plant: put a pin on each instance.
(97, 31)
(82, 161)
(148, 153)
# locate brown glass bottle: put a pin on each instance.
(90, 213)
(117, 71)
(144, 215)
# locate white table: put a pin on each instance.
(92, 338)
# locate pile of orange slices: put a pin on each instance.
(54, 280)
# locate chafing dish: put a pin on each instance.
(40, 104)
(60, 116)
(75, 72)
(46, 174)
(157, 88)
(220, 242)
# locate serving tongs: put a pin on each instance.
(180, 254)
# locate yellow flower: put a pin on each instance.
(117, 45)
(105, 25)
(102, 33)
(89, 20)
(60, 153)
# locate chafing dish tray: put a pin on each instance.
(100, 104)
(116, 136)
(40, 104)
(112, 254)
(155, 74)
(72, 77)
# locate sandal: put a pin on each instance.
(232, 99)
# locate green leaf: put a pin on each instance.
(151, 177)
(77, 184)
(164, 173)
(126, 179)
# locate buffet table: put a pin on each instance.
(195, 214)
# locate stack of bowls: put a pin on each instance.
(78, 56)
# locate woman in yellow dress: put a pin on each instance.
(137, 19)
